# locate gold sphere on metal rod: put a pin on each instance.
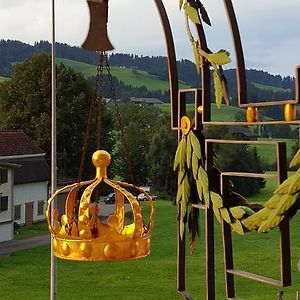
(79, 234)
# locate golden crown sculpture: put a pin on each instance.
(84, 237)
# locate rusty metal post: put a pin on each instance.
(284, 227)
(172, 63)
(209, 232)
(227, 246)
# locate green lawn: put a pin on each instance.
(135, 78)
(268, 152)
(269, 87)
(25, 274)
(28, 231)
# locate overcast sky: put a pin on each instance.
(269, 28)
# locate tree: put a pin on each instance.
(138, 122)
(25, 104)
(237, 158)
(163, 144)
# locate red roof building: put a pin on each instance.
(30, 180)
(16, 143)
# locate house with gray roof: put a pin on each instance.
(146, 101)
(30, 183)
(6, 201)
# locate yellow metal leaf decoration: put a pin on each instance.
(196, 55)
(189, 162)
(220, 58)
(225, 215)
(192, 13)
(237, 212)
(180, 158)
(217, 214)
(237, 227)
(218, 89)
(195, 165)
(224, 86)
(188, 151)
(180, 4)
(196, 145)
(295, 184)
(203, 179)
(216, 200)
(296, 160)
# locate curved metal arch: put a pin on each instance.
(239, 54)
(241, 69)
(172, 65)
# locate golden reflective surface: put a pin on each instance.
(79, 234)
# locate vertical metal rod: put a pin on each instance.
(53, 271)
(227, 246)
(280, 295)
(209, 232)
(180, 259)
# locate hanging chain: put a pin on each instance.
(86, 138)
(98, 94)
(90, 117)
(120, 123)
(100, 98)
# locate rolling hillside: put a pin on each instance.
(266, 87)
(225, 114)
(135, 78)
(3, 78)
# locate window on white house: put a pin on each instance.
(40, 208)
(3, 203)
(17, 212)
(3, 176)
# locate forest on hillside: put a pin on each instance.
(25, 103)
(262, 86)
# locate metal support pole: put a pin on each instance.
(53, 271)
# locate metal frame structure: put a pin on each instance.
(53, 260)
(173, 76)
(203, 99)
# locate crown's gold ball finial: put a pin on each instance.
(101, 159)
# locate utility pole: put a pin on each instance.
(53, 275)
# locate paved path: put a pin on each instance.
(17, 245)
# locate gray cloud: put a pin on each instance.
(268, 27)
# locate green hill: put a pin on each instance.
(3, 78)
(132, 77)
(272, 88)
(225, 114)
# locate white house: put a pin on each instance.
(6, 201)
(31, 179)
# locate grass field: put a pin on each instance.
(225, 114)
(269, 87)
(135, 78)
(268, 152)
(35, 229)
(25, 274)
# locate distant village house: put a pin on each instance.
(6, 201)
(243, 133)
(25, 179)
(146, 101)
